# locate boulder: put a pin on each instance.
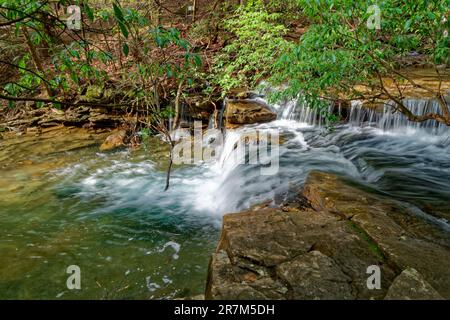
(114, 140)
(239, 112)
(268, 244)
(404, 238)
(320, 246)
(410, 285)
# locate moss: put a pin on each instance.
(93, 93)
(373, 246)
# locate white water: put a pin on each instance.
(389, 121)
(409, 161)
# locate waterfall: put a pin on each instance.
(185, 118)
(230, 186)
(388, 119)
(395, 120)
(359, 115)
(222, 111)
(211, 121)
(362, 116)
(298, 110)
(216, 191)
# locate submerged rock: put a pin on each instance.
(239, 112)
(115, 140)
(322, 249)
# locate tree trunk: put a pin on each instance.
(37, 61)
(194, 10)
(176, 121)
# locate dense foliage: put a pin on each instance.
(343, 48)
(323, 50)
(131, 51)
(256, 41)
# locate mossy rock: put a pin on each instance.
(93, 93)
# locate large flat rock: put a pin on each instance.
(406, 239)
(322, 248)
(239, 112)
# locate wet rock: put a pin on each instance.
(75, 116)
(33, 130)
(404, 239)
(315, 276)
(239, 112)
(240, 93)
(102, 120)
(410, 285)
(115, 140)
(322, 248)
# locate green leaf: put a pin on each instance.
(104, 15)
(22, 64)
(407, 25)
(89, 12)
(123, 29)
(74, 78)
(197, 60)
(118, 12)
(126, 49)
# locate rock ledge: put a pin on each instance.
(320, 247)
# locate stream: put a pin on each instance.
(106, 212)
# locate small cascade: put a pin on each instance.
(229, 157)
(389, 120)
(231, 186)
(395, 120)
(362, 116)
(359, 115)
(221, 113)
(211, 121)
(298, 110)
(186, 119)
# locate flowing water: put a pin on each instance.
(108, 214)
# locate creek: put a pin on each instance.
(107, 212)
